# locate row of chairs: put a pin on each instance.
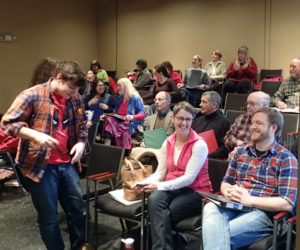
(105, 164)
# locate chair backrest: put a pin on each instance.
(111, 73)
(291, 124)
(233, 114)
(216, 170)
(270, 87)
(105, 158)
(179, 72)
(235, 101)
(270, 73)
(93, 130)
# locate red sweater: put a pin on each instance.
(247, 74)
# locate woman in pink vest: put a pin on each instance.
(182, 170)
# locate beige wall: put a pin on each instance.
(64, 29)
(175, 30)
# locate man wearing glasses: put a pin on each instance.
(239, 133)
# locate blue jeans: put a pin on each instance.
(193, 96)
(59, 182)
(166, 209)
(224, 228)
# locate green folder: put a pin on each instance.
(155, 138)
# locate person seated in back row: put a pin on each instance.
(288, 94)
(262, 174)
(163, 83)
(195, 81)
(216, 71)
(143, 78)
(211, 117)
(163, 117)
(241, 72)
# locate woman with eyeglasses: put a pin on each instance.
(182, 170)
(99, 100)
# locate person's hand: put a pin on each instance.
(103, 106)
(230, 155)
(245, 65)
(212, 77)
(77, 151)
(149, 187)
(142, 144)
(228, 192)
(236, 66)
(201, 86)
(180, 85)
(45, 140)
(102, 117)
(89, 124)
(93, 101)
(129, 117)
(281, 105)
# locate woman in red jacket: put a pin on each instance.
(240, 72)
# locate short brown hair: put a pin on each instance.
(186, 107)
(71, 71)
(218, 53)
(274, 117)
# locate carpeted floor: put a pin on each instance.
(19, 228)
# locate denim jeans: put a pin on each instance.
(166, 209)
(224, 228)
(193, 96)
(59, 182)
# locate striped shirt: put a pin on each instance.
(34, 108)
(272, 174)
(288, 92)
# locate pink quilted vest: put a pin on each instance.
(202, 181)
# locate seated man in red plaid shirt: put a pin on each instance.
(239, 132)
(262, 174)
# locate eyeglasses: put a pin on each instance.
(182, 119)
(252, 103)
(159, 99)
(100, 85)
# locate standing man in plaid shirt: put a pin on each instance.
(239, 132)
(50, 120)
(288, 94)
(262, 174)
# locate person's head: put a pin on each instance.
(126, 88)
(160, 70)
(168, 66)
(210, 102)
(90, 77)
(95, 66)
(69, 79)
(141, 64)
(216, 55)
(295, 68)
(266, 124)
(100, 88)
(162, 101)
(45, 69)
(183, 115)
(243, 54)
(257, 100)
(197, 61)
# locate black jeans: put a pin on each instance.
(231, 86)
(166, 209)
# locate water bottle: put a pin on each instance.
(128, 243)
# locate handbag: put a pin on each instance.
(133, 172)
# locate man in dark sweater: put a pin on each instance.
(211, 117)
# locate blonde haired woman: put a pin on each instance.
(128, 105)
(241, 72)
